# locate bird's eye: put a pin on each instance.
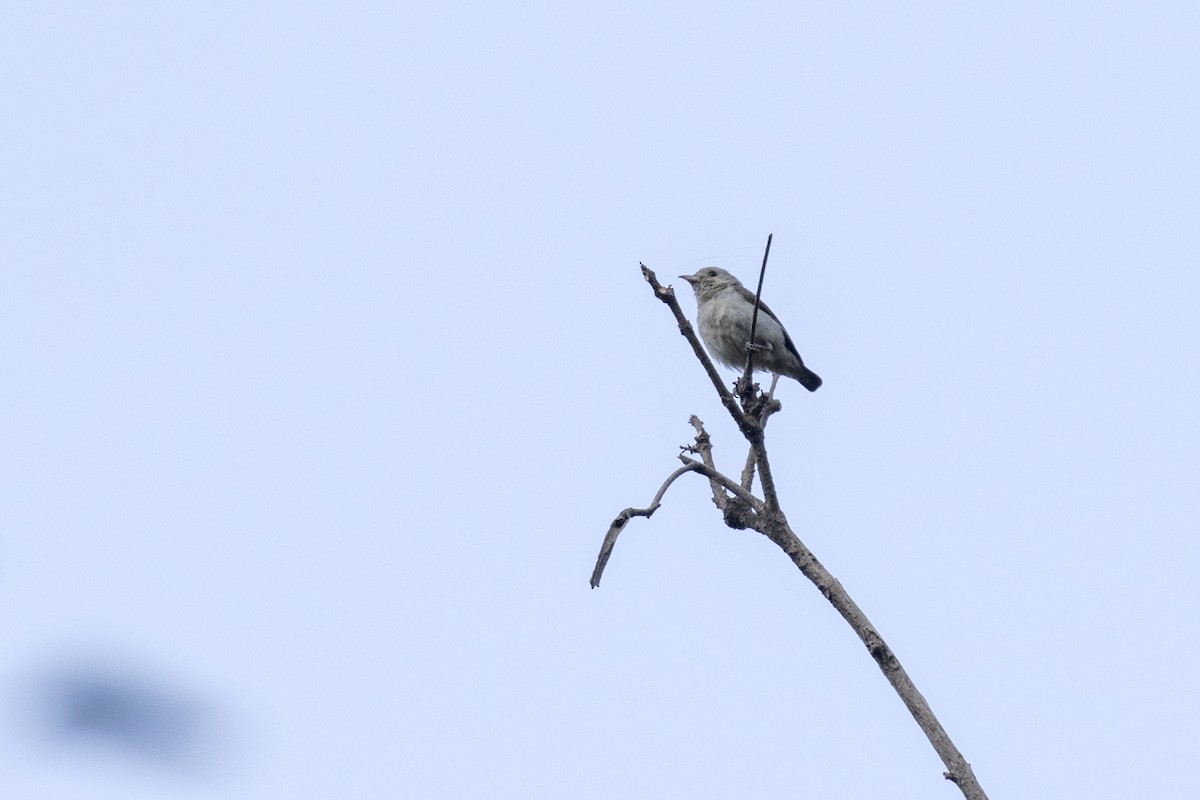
(712, 273)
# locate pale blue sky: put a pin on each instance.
(327, 362)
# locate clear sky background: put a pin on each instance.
(326, 363)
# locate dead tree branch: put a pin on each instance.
(667, 295)
(618, 524)
(742, 509)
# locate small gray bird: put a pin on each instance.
(725, 308)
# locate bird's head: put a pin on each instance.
(710, 281)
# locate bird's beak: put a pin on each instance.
(690, 279)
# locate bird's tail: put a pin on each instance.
(808, 379)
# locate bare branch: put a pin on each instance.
(770, 406)
(748, 470)
(762, 273)
(741, 509)
(725, 483)
(618, 524)
(703, 441)
(703, 448)
(667, 295)
(765, 476)
(777, 529)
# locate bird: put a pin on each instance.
(724, 307)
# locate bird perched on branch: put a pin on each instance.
(725, 308)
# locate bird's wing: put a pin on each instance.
(787, 340)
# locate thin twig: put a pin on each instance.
(770, 406)
(765, 477)
(762, 273)
(748, 470)
(703, 441)
(726, 483)
(666, 294)
(618, 524)
(703, 447)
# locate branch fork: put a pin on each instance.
(741, 509)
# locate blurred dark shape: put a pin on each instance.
(129, 713)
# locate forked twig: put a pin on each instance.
(742, 509)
